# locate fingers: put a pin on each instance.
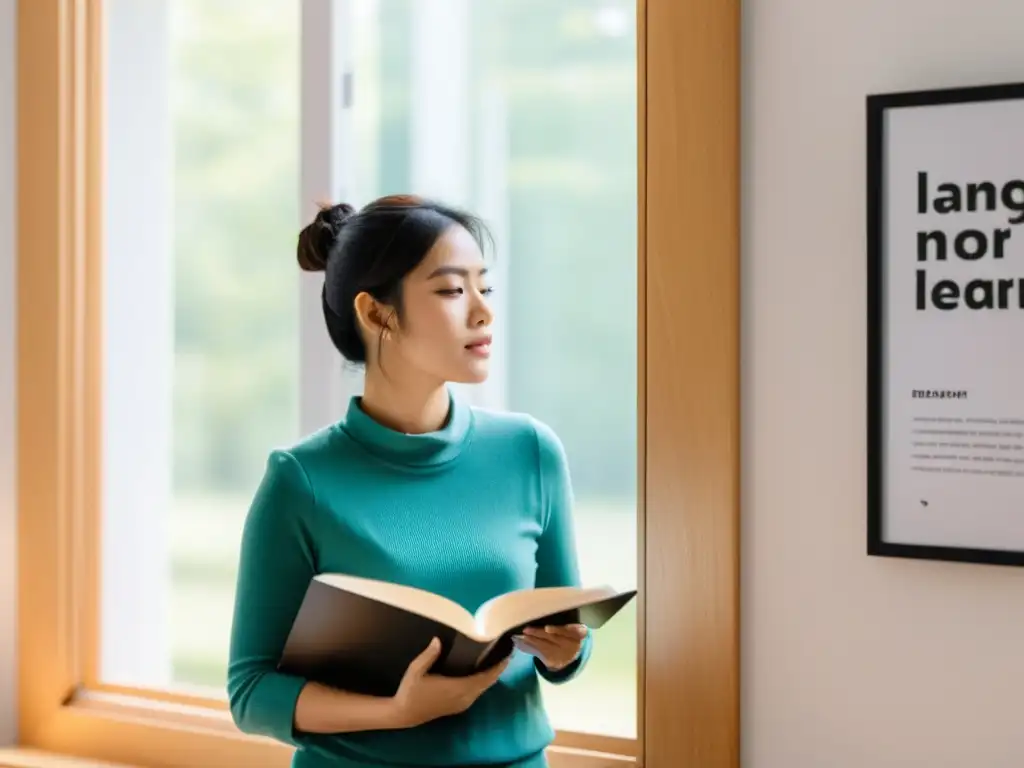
(555, 646)
(544, 647)
(498, 669)
(489, 676)
(425, 660)
(570, 636)
(571, 631)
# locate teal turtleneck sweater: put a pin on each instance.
(478, 508)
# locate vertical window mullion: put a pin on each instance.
(325, 383)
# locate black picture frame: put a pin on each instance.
(878, 105)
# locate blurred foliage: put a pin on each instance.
(235, 89)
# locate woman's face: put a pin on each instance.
(445, 326)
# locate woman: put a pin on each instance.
(413, 486)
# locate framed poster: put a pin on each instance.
(945, 186)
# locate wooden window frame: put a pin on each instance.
(688, 411)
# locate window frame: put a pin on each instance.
(688, 410)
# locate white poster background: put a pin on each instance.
(961, 485)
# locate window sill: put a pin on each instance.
(32, 758)
(16, 757)
(133, 732)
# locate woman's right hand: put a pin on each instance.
(422, 697)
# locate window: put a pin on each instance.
(185, 142)
(202, 296)
(202, 327)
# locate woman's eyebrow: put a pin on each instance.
(460, 271)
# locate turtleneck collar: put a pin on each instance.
(415, 450)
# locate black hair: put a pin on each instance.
(372, 250)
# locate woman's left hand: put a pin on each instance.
(556, 647)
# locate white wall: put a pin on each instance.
(7, 235)
(850, 661)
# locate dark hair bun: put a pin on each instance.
(316, 240)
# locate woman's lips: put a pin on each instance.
(480, 347)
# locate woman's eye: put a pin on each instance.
(458, 291)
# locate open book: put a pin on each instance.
(361, 634)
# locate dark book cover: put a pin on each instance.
(359, 644)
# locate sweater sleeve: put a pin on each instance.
(276, 563)
(557, 564)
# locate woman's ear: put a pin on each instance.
(373, 316)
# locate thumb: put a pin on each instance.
(419, 666)
(490, 676)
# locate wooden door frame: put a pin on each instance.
(690, 205)
(688, 410)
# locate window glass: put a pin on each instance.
(201, 317)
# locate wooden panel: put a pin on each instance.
(47, 147)
(691, 712)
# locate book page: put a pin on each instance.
(510, 610)
(411, 599)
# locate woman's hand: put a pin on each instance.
(556, 647)
(422, 697)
